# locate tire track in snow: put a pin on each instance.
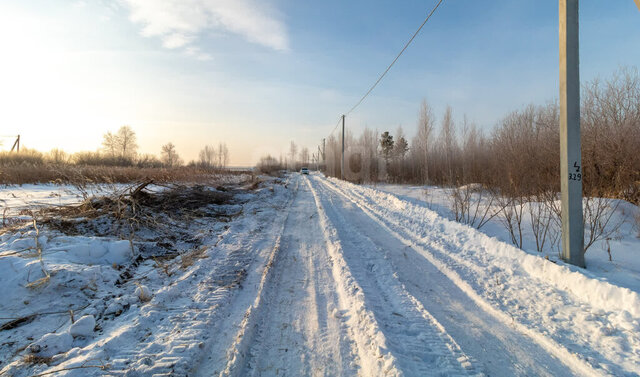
(367, 205)
(297, 332)
(227, 350)
(410, 339)
(502, 350)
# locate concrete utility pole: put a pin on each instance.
(342, 158)
(570, 158)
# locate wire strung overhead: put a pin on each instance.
(397, 57)
(336, 127)
(390, 65)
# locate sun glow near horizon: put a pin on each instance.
(57, 93)
(259, 74)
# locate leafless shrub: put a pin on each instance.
(512, 216)
(473, 205)
(600, 220)
(544, 222)
(269, 165)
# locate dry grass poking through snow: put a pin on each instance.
(26, 173)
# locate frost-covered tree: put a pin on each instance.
(122, 144)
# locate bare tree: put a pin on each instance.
(110, 144)
(207, 156)
(423, 137)
(369, 143)
(122, 144)
(304, 156)
(448, 143)
(293, 152)
(127, 142)
(223, 155)
(170, 156)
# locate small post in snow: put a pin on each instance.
(570, 155)
(16, 144)
(342, 157)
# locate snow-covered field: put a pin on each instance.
(315, 276)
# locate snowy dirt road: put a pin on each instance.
(327, 308)
(344, 296)
(321, 277)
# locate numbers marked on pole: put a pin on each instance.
(577, 176)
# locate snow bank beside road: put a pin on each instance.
(593, 319)
(600, 294)
(624, 244)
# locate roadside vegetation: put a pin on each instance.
(116, 161)
(512, 172)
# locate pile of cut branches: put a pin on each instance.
(135, 208)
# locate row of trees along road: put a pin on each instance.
(515, 165)
(520, 154)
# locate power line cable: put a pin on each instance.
(336, 127)
(396, 59)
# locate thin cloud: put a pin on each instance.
(178, 23)
(197, 53)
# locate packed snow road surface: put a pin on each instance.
(320, 277)
(324, 309)
(345, 295)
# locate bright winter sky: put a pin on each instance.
(259, 73)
